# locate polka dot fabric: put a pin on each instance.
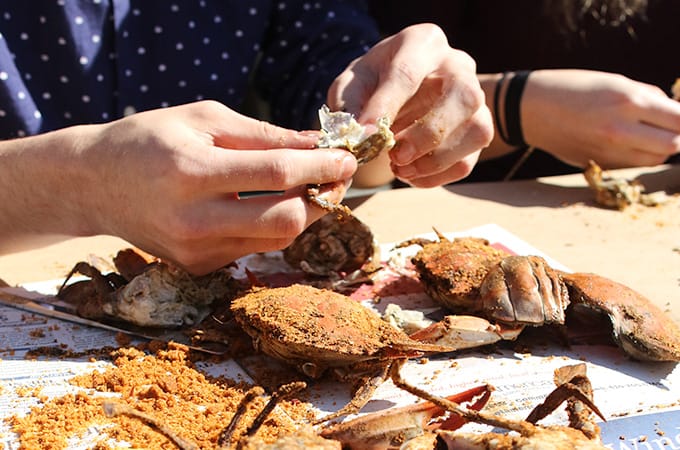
(66, 62)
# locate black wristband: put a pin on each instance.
(513, 98)
(496, 107)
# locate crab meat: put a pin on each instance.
(317, 330)
(340, 130)
(144, 293)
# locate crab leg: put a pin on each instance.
(386, 429)
(361, 396)
(454, 407)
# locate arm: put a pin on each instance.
(167, 181)
(578, 115)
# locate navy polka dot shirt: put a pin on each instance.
(66, 62)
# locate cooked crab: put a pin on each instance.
(511, 292)
(341, 130)
(147, 293)
(334, 245)
(317, 329)
(617, 192)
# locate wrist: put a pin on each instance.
(507, 102)
(43, 179)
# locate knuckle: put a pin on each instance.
(404, 73)
(432, 34)
(280, 171)
(290, 223)
(470, 97)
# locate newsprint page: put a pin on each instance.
(640, 400)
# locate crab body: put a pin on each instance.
(316, 329)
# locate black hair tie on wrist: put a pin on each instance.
(496, 105)
(513, 98)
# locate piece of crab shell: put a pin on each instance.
(158, 294)
(334, 244)
(340, 129)
(641, 329)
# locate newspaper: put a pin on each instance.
(641, 401)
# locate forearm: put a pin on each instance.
(42, 182)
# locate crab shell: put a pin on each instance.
(339, 129)
(315, 329)
(640, 328)
(333, 244)
(523, 290)
(452, 271)
(148, 294)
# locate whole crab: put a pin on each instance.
(145, 291)
(510, 292)
(319, 330)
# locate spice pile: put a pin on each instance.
(164, 384)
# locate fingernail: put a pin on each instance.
(404, 153)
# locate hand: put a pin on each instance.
(431, 93)
(578, 115)
(167, 181)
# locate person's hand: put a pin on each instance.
(431, 93)
(579, 115)
(167, 181)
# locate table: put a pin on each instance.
(639, 246)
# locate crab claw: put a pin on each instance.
(391, 429)
(462, 331)
(641, 329)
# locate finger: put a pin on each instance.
(655, 143)
(407, 64)
(662, 112)
(276, 216)
(458, 116)
(453, 173)
(277, 169)
(210, 255)
(230, 129)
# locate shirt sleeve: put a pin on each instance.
(308, 45)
